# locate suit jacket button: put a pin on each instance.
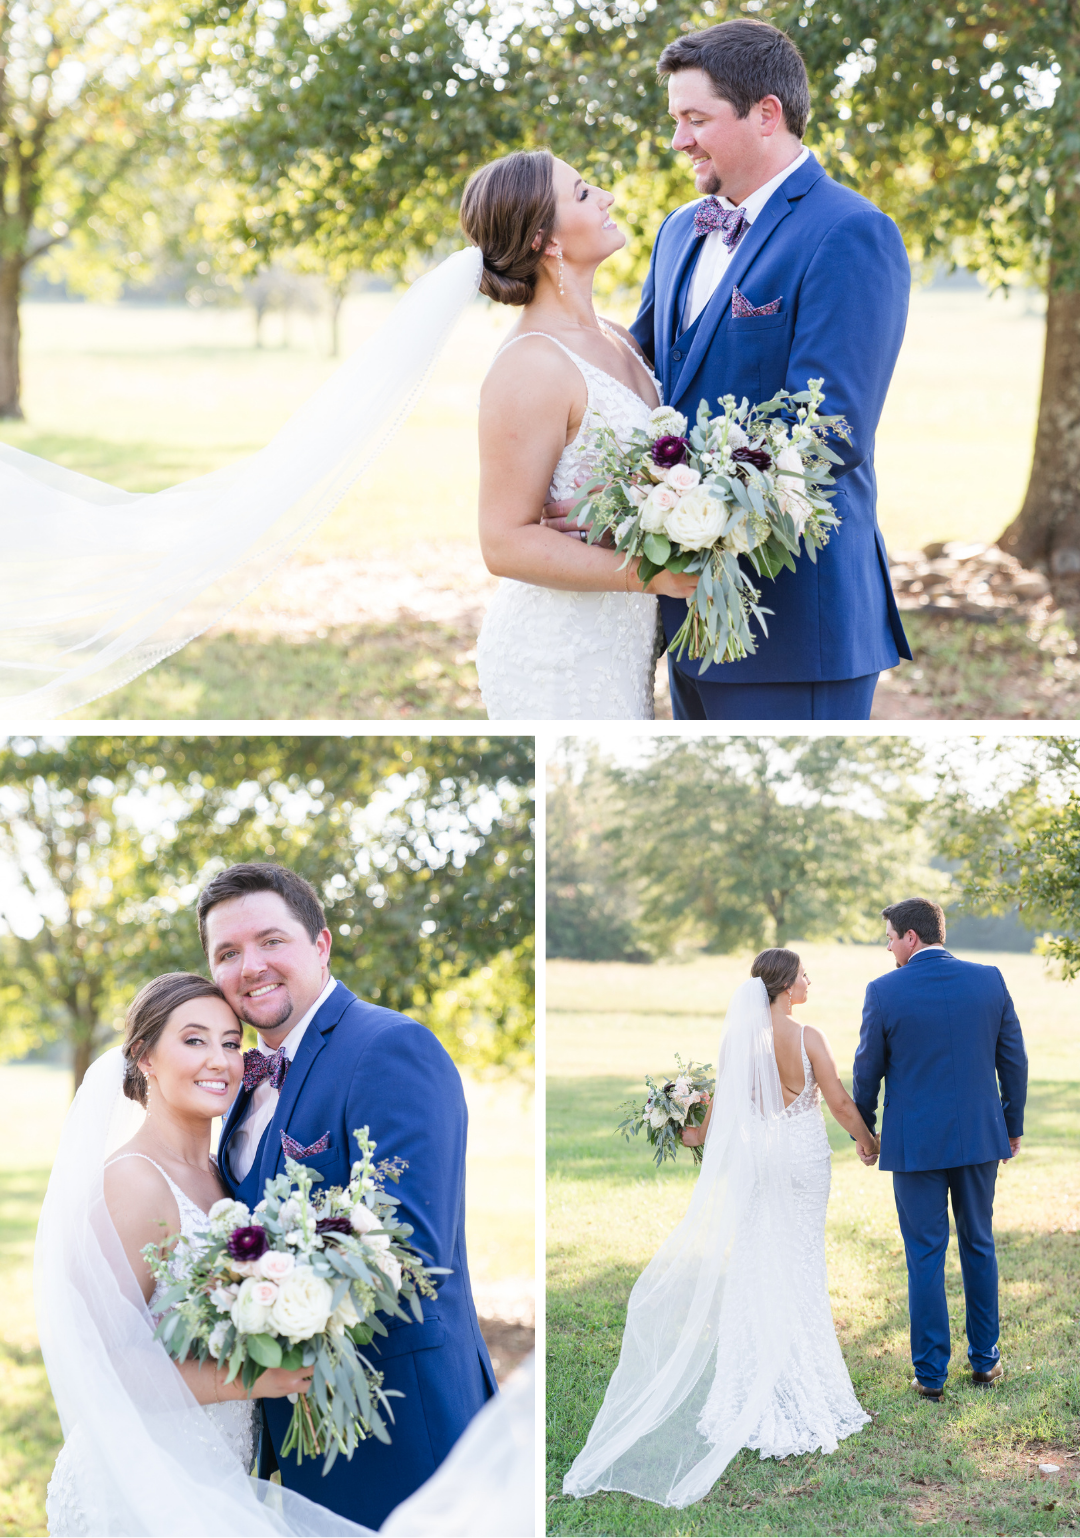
(676, 354)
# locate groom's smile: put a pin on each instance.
(265, 962)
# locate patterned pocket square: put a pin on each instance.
(295, 1151)
(741, 306)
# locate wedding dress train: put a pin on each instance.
(729, 1338)
(546, 654)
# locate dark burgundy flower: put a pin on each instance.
(670, 451)
(333, 1226)
(761, 459)
(248, 1243)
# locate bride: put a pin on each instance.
(570, 634)
(729, 1338)
(152, 1447)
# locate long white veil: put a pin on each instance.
(711, 1317)
(145, 1458)
(98, 584)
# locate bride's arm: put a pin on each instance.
(836, 1096)
(525, 412)
(144, 1211)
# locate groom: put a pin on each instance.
(944, 1036)
(329, 1063)
(775, 276)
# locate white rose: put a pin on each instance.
(276, 1265)
(737, 535)
(697, 521)
(217, 1338)
(655, 510)
(636, 494)
(657, 1118)
(344, 1316)
(251, 1311)
(664, 422)
(790, 492)
(229, 1214)
(682, 478)
(390, 1267)
(363, 1219)
(302, 1305)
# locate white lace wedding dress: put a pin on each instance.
(729, 1338)
(546, 654)
(235, 1421)
(813, 1406)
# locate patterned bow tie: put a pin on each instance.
(731, 222)
(257, 1067)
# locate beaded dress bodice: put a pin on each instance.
(550, 654)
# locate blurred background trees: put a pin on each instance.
(719, 845)
(421, 850)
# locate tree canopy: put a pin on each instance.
(421, 850)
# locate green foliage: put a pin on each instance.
(1023, 849)
(591, 915)
(420, 850)
(755, 841)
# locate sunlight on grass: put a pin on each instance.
(34, 1099)
(608, 1210)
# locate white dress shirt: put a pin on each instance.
(715, 256)
(925, 948)
(244, 1144)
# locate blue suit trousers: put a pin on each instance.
(836, 699)
(922, 1205)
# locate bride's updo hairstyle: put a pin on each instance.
(777, 969)
(504, 207)
(148, 1015)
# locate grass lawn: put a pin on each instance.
(34, 1100)
(145, 396)
(966, 1466)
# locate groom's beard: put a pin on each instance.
(712, 185)
(269, 1025)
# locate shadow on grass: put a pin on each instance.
(964, 1466)
(1005, 671)
(402, 671)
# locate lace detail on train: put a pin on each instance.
(550, 655)
(235, 1422)
(813, 1405)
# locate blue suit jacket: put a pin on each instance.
(358, 1065)
(839, 268)
(944, 1036)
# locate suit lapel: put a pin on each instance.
(716, 311)
(311, 1044)
(232, 1120)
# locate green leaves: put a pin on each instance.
(658, 550)
(265, 1350)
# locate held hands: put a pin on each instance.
(868, 1152)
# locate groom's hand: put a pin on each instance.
(1014, 1147)
(556, 515)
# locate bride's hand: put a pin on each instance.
(674, 584)
(691, 1136)
(276, 1382)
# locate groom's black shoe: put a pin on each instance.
(936, 1394)
(988, 1379)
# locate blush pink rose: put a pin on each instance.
(275, 1265)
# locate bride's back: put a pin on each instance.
(787, 1049)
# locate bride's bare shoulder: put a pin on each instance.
(136, 1189)
(627, 337)
(533, 362)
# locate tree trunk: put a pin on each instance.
(10, 293)
(83, 1055)
(337, 299)
(1046, 532)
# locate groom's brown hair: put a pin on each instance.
(920, 914)
(746, 61)
(299, 895)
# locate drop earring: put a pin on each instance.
(559, 255)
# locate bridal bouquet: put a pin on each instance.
(299, 1282)
(669, 1107)
(746, 482)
